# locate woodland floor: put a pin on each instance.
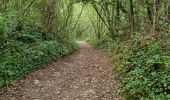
(84, 75)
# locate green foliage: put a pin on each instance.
(102, 42)
(28, 51)
(147, 71)
(143, 64)
(137, 41)
(32, 33)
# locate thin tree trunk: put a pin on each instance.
(78, 18)
(25, 12)
(168, 15)
(132, 15)
(118, 16)
(98, 13)
(154, 15)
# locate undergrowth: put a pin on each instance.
(142, 63)
(27, 50)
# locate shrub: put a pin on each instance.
(143, 64)
(28, 51)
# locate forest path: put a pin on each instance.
(84, 75)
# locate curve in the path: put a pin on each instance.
(84, 75)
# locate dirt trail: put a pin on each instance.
(84, 75)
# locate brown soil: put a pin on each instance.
(84, 75)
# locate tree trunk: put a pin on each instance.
(169, 13)
(118, 16)
(132, 15)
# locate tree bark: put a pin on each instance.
(132, 15)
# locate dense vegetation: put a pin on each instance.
(32, 33)
(135, 33)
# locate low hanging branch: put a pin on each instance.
(95, 7)
(78, 18)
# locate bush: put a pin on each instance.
(102, 42)
(143, 64)
(28, 51)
